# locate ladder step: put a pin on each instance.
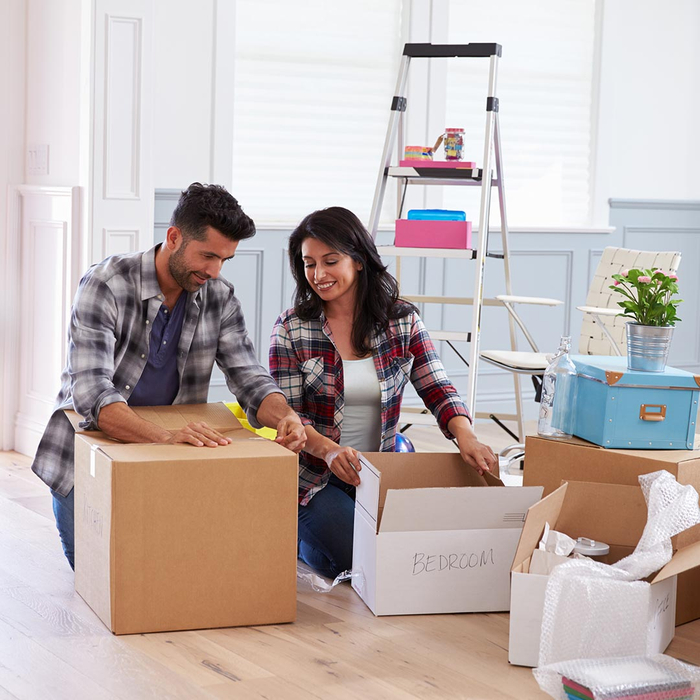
(466, 301)
(455, 173)
(458, 336)
(425, 252)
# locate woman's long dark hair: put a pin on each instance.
(377, 294)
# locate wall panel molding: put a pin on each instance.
(49, 231)
(122, 105)
(116, 240)
(120, 160)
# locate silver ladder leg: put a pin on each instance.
(483, 238)
(398, 105)
(506, 270)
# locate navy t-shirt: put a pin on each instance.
(159, 382)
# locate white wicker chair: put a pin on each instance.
(603, 328)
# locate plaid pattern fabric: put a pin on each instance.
(309, 370)
(111, 320)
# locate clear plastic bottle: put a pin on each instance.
(558, 395)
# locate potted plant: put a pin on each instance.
(649, 300)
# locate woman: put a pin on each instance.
(343, 356)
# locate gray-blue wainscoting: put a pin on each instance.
(553, 263)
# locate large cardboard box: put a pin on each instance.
(610, 513)
(432, 536)
(177, 537)
(549, 462)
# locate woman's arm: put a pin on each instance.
(440, 396)
(477, 455)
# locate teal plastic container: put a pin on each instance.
(621, 408)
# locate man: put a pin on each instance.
(146, 329)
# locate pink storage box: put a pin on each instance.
(433, 234)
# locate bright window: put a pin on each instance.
(313, 85)
(545, 86)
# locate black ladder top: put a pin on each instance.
(451, 50)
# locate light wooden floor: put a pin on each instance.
(53, 646)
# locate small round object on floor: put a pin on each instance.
(403, 444)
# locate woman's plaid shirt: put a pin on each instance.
(306, 365)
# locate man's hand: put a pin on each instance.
(291, 433)
(344, 462)
(199, 435)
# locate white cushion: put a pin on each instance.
(534, 361)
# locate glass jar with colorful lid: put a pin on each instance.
(454, 144)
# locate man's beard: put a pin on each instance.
(181, 273)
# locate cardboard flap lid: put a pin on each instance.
(546, 511)
(367, 493)
(457, 508)
(683, 560)
(243, 449)
(174, 417)
(598, 367)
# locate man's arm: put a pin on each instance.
(274, 412)
(120, 422)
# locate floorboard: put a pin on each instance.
(53, 646)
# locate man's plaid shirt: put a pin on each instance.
(111, 320)
(306, 365)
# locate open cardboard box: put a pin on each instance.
(432, 536)
(610, 513)
(176, 537)
(549, 462)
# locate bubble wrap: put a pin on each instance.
(593, 609)
(658, 677)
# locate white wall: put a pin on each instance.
(53, 87)
(649, 141)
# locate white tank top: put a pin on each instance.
(362, 417)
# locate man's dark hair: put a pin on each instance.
(201, 206)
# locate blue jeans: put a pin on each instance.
(63, 511)
(326, 528)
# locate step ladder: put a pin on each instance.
(483, 177)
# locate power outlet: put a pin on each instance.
(38, 159)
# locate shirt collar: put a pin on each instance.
(149, 280)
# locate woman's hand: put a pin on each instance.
(344, 462)
(478, 456)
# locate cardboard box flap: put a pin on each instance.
(367, 493)
(410, 470)
(438, 509)
(592, 510)
(683, 560)
(546, 511)
(613, 370)
(253, 448)
(174, 417)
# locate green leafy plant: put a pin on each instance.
(649, 296)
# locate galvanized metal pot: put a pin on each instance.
(647, 347)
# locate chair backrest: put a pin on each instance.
(613, 261)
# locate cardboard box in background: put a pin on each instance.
(549, 462)
(610, 513)
(432, 536)
(177, 537)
